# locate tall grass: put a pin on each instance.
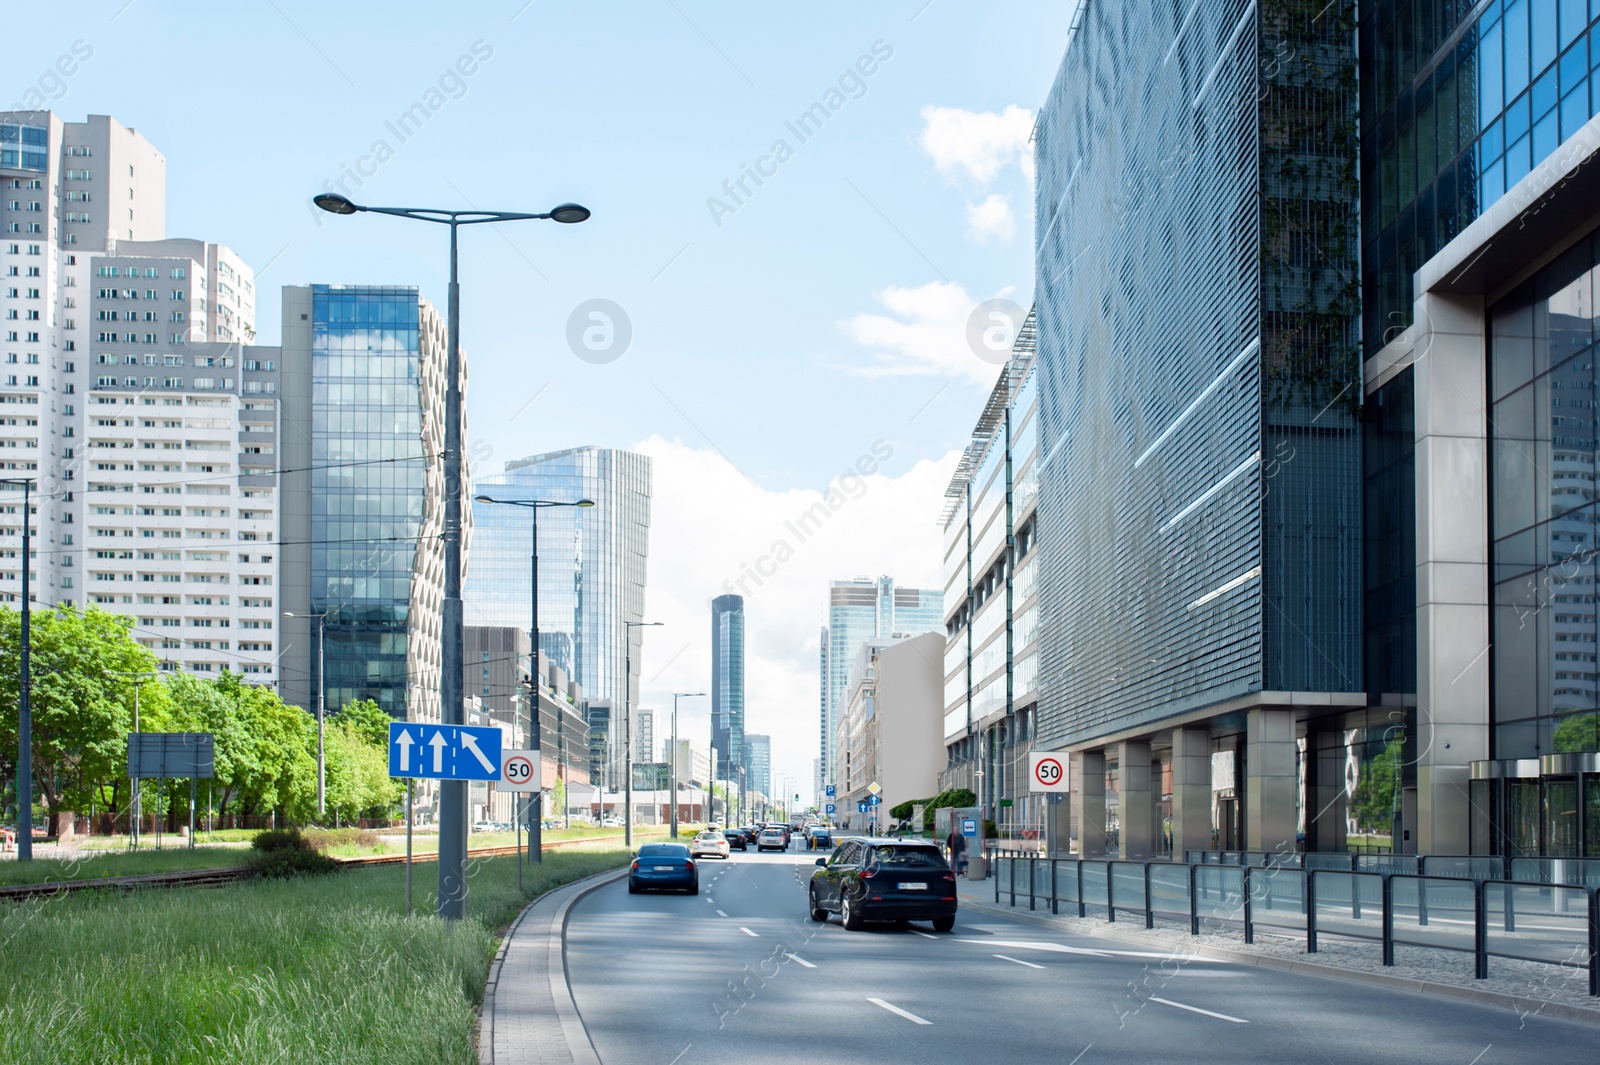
(92, 865)
(311, 969)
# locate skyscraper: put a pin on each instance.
(363, 381)
(727, 683)
(758, 756)
(860, 610)
(592, 570)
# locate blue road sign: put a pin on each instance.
(831, 808)
(873, 800)
(969, 826)
(831, 791)
(861, 807)
(443, 752)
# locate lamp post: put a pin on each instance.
(24, 712)
(536, 813)
(322, 686)
(627, 727)
(452, 793)
(675, 697)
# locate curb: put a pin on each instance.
(577, 1038)
(1521, 1004)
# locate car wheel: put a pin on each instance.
(633, 889)
(849, 914)
(943, 924)
(694, 888)
(818, 914)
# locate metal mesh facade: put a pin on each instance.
(1199, 491)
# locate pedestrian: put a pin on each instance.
(958, 851)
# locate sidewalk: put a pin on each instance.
(1526, 987)
(528, 1013)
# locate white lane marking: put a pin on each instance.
(798, 958)
(1063, 949)
(747, 932)
(912, 1017)
(1197, 1009)
(682, 1052)
(1019, 961)
(720, 913)
(924, 935)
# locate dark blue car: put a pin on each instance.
(663, 865)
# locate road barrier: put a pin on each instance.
(1541, 910)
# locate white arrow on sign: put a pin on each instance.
(404, 742)
(438, 743)
(472, 745)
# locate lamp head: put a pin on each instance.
(484, 499)
(569, 213)
(333, 203)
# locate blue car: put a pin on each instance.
(663, 865)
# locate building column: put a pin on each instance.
(1270, 784)
(1089, 802)
(1191, 790)
(1137, 810)
(1452, 485)
(1329, 802)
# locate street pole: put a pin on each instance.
(24, 711)
(452, 793)
(675, 697)
(322, 687)
(627, 726)
(535, 726)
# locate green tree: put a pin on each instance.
(81, 710)
(1578, 734)
(558, 798)
(1372, 803)
(368, 719)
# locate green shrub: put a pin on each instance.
(286, 853)
(904, 810)
(281, 839)
(324, 839)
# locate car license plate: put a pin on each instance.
(913, 887)
(663, 868)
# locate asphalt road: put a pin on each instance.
(739, 974)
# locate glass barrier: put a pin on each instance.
(1219, 897)
(1278, 898)
(1002, 875)
(1538, 922)
(1169, 891)
(1464, 867)
(1584, 872)
(1344, 861)
(1349, 904)
(1127, 883)
(1041, 878)
(1066, 884)
(1094, 884)
(1405, 864)
(1433, 911)
(1189, 857)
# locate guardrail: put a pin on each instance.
(1554, 919)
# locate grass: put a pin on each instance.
(310, 969)
(98, 864)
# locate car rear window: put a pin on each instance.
(664, 850)
(908, 857)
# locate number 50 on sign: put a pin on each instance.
(519, 771)
(1048, 771)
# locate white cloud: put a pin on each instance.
(977, 144)
(991, 218)
(711, 528)
(925, 333)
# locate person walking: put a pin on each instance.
(958, 851)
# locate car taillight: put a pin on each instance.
(635, 865)
(868, 874)
(691, 866)
(950, 877)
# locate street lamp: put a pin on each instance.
(536, 821)
(322, 686)
(24, 712)
(675, 697)
(627, 727)
(452, 793)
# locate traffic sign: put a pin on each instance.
(443, 752)
(873, 800)
(969, 826)
(519, 771)
(831, 808)
(831, 791)
(861, 807)
(873, 788)
(1048, 772)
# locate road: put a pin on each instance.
(738, 974)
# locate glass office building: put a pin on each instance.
(592, 567)
(758, 756)
(1199, 515)
(727, 685)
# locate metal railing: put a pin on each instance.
(1544, 910)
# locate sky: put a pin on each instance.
(797, 213)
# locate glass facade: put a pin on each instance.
(1390, 557)
(367, 500)
(758, 754)
(1199, 362)
(727, 684)
(1461, 100)
(1543, 512)
(24, 148)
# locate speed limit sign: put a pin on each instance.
(1048, 772)
(519, 771)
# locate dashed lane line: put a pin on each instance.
(1197, 1009)
(747, 932)
(1019, 961)
(798, 958)
(720, 913)
(892, 1008)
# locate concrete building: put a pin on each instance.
(727, 684)
(644, 735)
(889, 732)
(860, 610)
(496, 674)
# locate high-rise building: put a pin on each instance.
(363, 381)
(592, 568)
(644, 734)
(758, 756)
(860, 610)
(727, 683)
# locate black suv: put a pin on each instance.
(877, 879)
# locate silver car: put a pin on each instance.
(708, 843)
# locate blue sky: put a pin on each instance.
(775, 338)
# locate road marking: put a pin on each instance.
(912, 1017)
(798, 958)
(1097, 952)
(681, 1053)
(1197, 1009)
(720, 913)
(924, 935)
(747, 932)
(1019, 961)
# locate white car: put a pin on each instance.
(709, 843)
